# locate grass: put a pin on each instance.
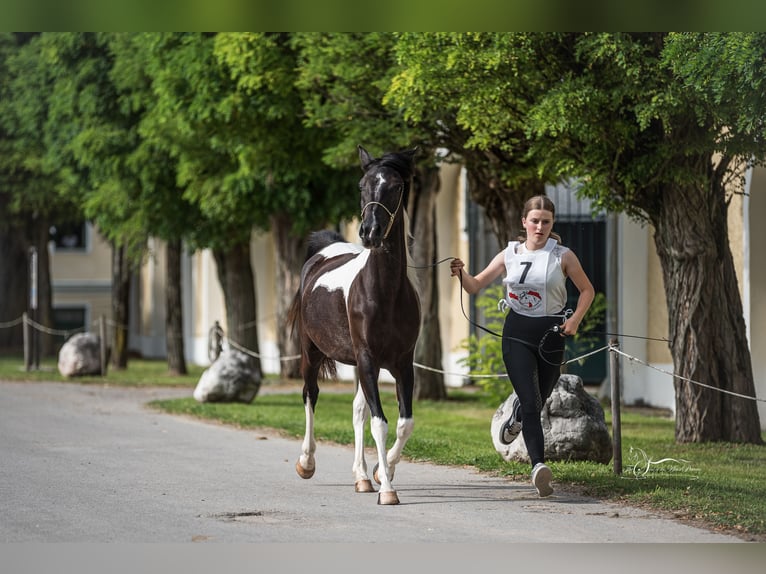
(718, 485)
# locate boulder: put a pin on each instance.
(80, 355)
(573, 424)
(233, 377)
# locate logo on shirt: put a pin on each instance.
(527, 299)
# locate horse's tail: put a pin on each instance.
(318, 240)
(294, 315)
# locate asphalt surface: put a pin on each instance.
(92, 464)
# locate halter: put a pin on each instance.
(391, 216)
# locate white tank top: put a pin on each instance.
(535, 284)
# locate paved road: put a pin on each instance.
(93, 464)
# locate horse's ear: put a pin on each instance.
(364, 158)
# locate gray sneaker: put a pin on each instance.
(512, 427)
(541, 478)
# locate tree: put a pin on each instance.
(226, 111)
(660, 126)
(87, 144)
(300, 191)
(28, 201)
(456, 86)
(638, 119)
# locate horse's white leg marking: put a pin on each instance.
(308, 447)
(379, 429)
(361, 413)
(403, 431)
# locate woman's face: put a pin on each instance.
(538, 224)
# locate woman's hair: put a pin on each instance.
(539, 202)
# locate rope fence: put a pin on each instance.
(217, 338)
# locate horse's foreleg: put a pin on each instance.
(405, 382)
(306, 464)
(404, 428)
(362, 482)
(386, 494)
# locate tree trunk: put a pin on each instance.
(428, 350)
(707, 331)
(120, 307)
(235, 273)
(502, 204)
(174, 325)
(291, 252)
(14, 287)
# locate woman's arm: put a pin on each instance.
(475, 284)
(572, 268)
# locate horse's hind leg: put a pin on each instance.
(362, 482)
(306, 464)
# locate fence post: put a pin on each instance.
(102, 347)
(616, 426)
(27, 351)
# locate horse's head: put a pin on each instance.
(385, 187)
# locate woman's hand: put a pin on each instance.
(456, 267)
(569, 327)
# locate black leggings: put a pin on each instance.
(533, 372)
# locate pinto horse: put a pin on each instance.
(359, 306)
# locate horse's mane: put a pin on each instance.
(401, 162)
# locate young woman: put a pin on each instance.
(536, 268)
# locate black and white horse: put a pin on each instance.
(358, 305)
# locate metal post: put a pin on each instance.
(34, 339)
(27, 350)
(616, 427)
(102, 344)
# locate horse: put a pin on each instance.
(358, 305)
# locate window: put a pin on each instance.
(68, 235)
(68, 318)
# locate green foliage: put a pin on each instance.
(484, 357)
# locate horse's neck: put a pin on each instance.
(392, 264)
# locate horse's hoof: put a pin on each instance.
(302, 472)
(364, 486)
(388, 498)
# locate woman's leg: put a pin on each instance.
(521, 363)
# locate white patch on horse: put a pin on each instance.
(342, 277)
(340, 248)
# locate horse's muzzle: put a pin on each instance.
(371, 236)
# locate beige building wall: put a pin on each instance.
(207, 305)
(452, 242)
(754, 280)
(83, 278)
